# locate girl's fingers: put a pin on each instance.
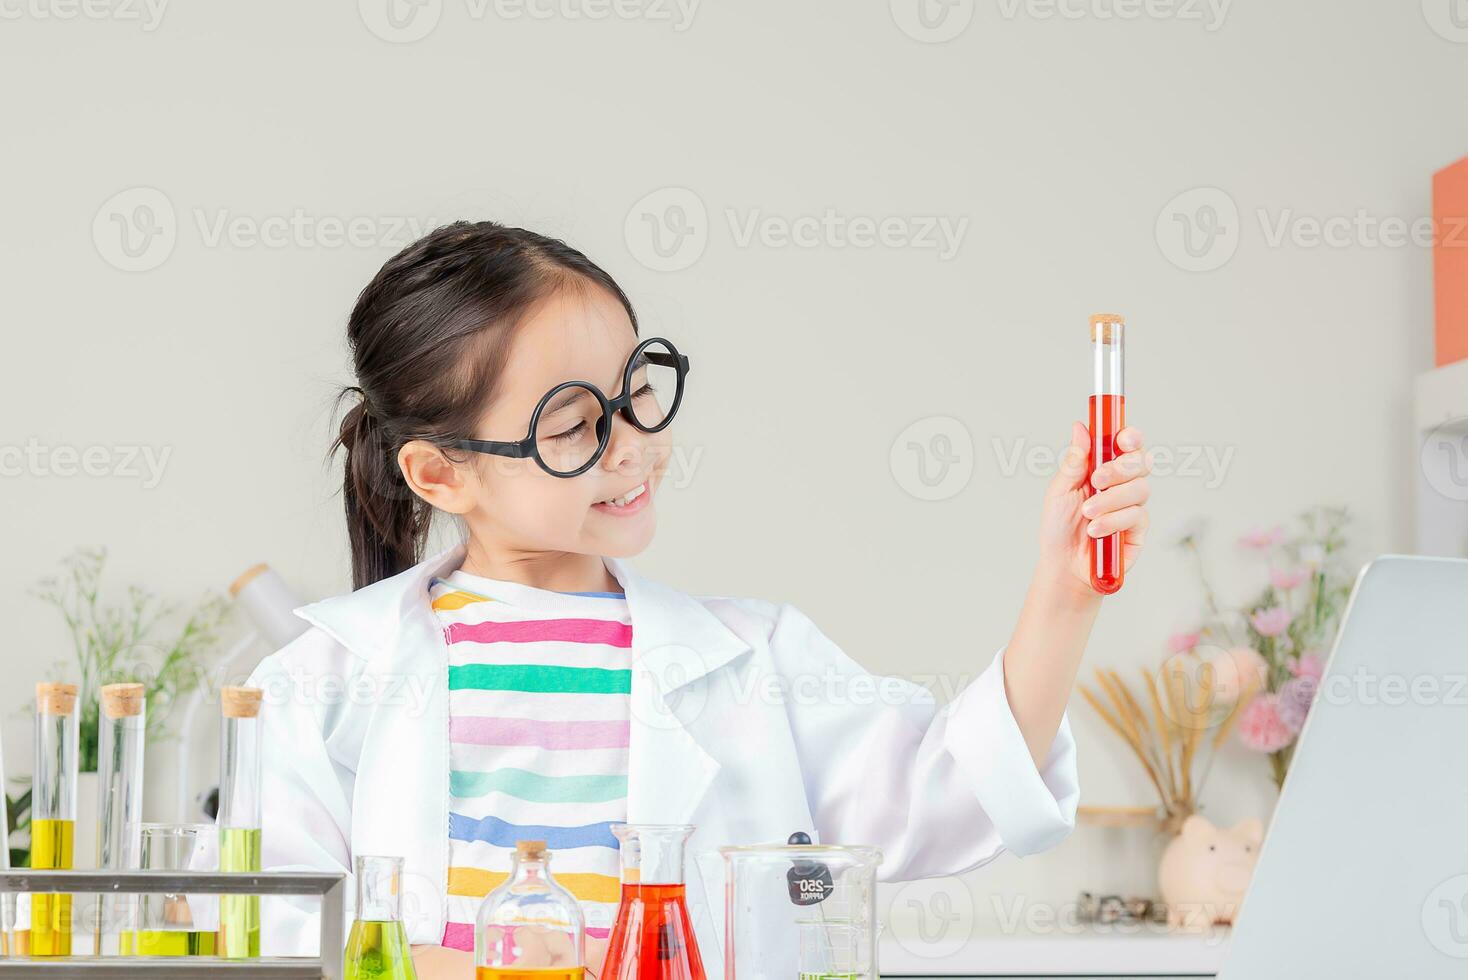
(1127, 466)
(1118, 520)
(1071, 473)
(1130, 439)
(1122, 495)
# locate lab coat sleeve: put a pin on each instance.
(940, 790)
(308, 772)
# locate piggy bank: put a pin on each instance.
(1205, 871)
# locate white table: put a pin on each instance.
(1099, 951)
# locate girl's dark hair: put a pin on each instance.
(429, 337)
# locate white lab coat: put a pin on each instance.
(748, 722)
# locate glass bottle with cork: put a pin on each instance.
(529, 928)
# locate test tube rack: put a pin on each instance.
(331, 888)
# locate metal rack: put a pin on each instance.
(327, 966)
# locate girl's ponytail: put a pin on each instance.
(429, 335)
(386, 521)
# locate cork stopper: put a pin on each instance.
(530, 850)
(55, 698)
(246, 577)
(122, 700)
(1105, 327)
(240, 702)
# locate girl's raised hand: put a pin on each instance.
(1115, 501)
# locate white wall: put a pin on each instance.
(1059, 141)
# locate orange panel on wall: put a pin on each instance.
(1450, 260)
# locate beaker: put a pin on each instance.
(377, 947)
(173, 924)
(800, 912)
(652, 938)
(529, 928)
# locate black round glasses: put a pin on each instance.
(571, 425)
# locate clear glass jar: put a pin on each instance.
(800, 912)
(529, 928)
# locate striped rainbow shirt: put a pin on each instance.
(539, 696)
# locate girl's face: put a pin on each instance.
(516, 507)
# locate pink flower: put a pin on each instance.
(1295, 698)
(1272, 622)
(1286, 580)
(1183, 642)
(1262, 538)
(1237, 670)
(1260, 726)
(1309, 665)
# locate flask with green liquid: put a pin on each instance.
(239, 817)
(53, 813)
(377, 947)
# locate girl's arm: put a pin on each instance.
(1044, 653)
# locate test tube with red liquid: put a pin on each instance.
(1108, 417)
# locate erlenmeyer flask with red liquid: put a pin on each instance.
(652, 938)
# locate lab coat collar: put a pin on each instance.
(675, 636)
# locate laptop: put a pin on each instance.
(1364, 870)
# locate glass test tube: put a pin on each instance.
(53, 812)
(119, 804)
(239, 817)
(1108, 417)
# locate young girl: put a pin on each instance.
(528, 683)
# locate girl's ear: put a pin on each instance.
(433, 477)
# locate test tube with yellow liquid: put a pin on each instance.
(239, 817)
(53, 813)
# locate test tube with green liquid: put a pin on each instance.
(53, 813)
(239, 817)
